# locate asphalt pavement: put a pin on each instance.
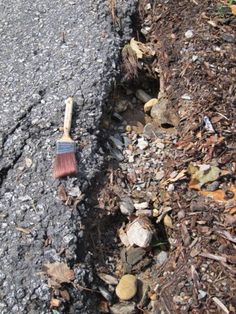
(50, 50)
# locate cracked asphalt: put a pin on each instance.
(50, 50)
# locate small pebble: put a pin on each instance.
(126, 206)
(161, 258)
(160, 145)
(142, 144)
(201, 294)
(213, 186)
(123, 308)
(160, 175)
(188, 34)
(127, 287)
(186, 97)
(171, 187)
(143, 205)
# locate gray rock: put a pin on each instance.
(126, 206)
(149, 131)
(201, 294)
(115, 141)
(131, 257)
(123, 308)
(161, 257)
(213, 186)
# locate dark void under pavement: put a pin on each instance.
(50, 50)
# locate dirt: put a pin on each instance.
(197, 76)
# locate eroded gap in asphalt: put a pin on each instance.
(132, 144)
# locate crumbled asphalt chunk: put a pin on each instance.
(49, 51)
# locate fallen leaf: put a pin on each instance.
(134, 44)
(152, 295)
(179, 176)
(62, 193)
(104, 307)
(168, 221)
(58, 273)
(220, 195)
(202, 174)
(55, 303)
(65, 295)
(148, 105)
(233, 9)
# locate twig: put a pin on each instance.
(213, 256)
(86, 289)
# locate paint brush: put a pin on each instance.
(65, 161)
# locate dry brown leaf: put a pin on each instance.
(62, 193)
(55, 303)
(65, 295)
(179, 176)
(104, 307)
(219, 195)
(58, 273)
(231, 259)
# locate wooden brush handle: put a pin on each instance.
(68, 117)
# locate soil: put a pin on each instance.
(196, 73)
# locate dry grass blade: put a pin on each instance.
(130, 63)
(112, 6)
(24, 230)
(220, 305)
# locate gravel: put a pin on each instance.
(49, 51)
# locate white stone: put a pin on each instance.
(186, 97)
(143, 205)
(159, 175)
(142, 144)
(138, 234)
(188, 34)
